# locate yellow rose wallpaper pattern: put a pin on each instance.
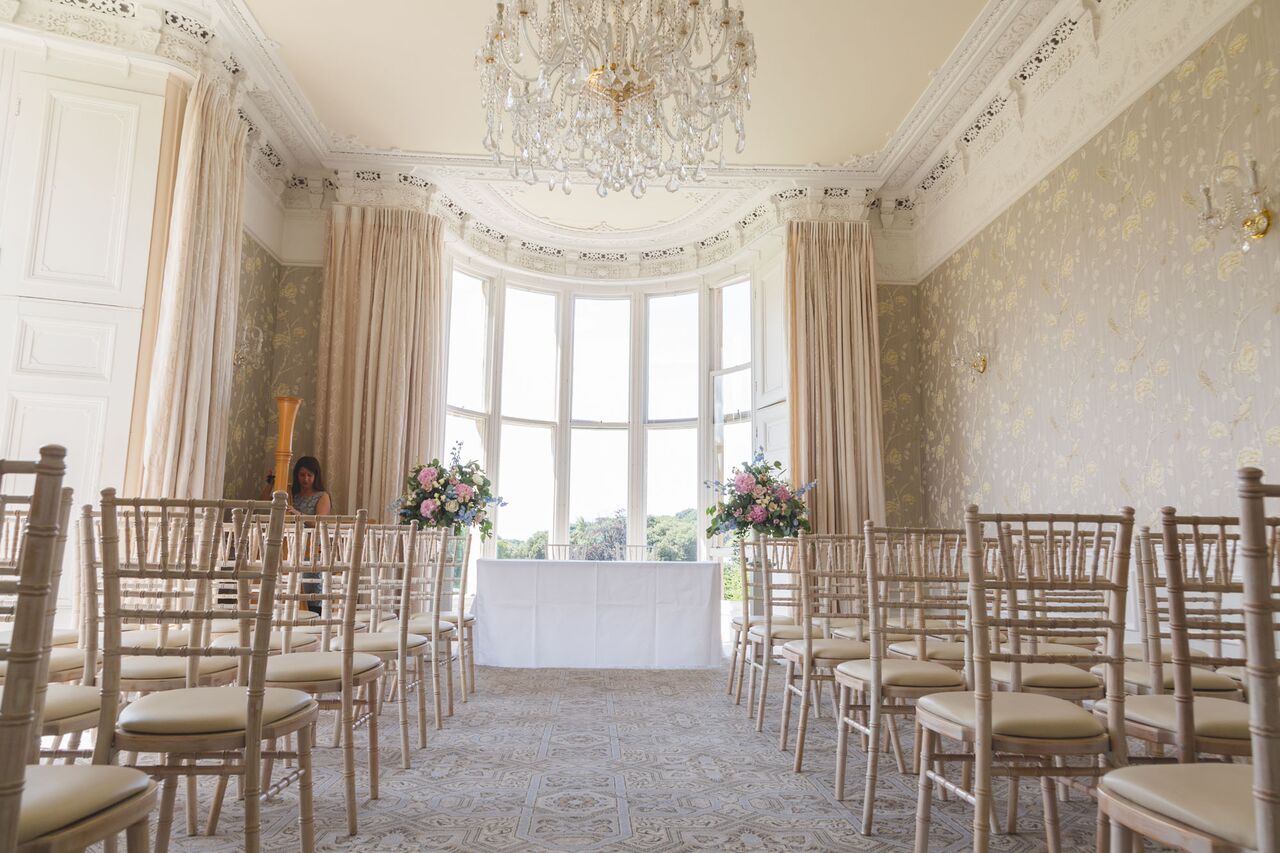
(899, 316)
(278, 308)
(1133, 359)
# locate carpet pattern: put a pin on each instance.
(578, 760)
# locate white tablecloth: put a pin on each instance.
(546, 613)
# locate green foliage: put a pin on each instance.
(732, 580)
(533, 548)
(602, 538)
(673, 537)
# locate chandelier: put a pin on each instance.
(629, 91)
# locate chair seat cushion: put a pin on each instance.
(933, 649)
(899, 672)
(298, 641)
(61, 637)
(1201, 679)
(1138, 651)
(56, 796)
(832, 650)
(755, 620)
(63, 701)
(1217, 718)
(315, 666)
(219, 627)
(1030, 715)
(381, 641)
(61, 659)
(1235, 673)
(205, 710)
(1213, 798)
(150, 638)
(1062, 676)
(843, 622)
(149, 667)
(780, 632)
(1082, 642)
(1048, 648)
(422, 625)
(851, 633)
(453, 617)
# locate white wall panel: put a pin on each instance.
(774, 357)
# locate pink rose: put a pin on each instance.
(464, 492)
(782, 494)
(737, 513)
(757, 492)
(428, 508)
(427, 476)
(744, 482)
(757, 514)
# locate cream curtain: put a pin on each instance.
(381, 373)
(184, 454)
(835, 373)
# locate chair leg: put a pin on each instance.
(766, 661)
(788, 685)
(306, 818)
(1122, 838)
(743, 665)
(448, 672)
(464, 678)
(983, 813)
(1011, 812)
(1052, 831)
(435, 686)
(347, 724)
(802, 727)
(193, 801)
(895, 741)
(842, 740)
(402, 666)
(137, 838)
(215, 810)
(164, 825)
(471, 658)
(873, 758)
(373, 697)
(420, 670)
(924, 799)
(733, 660)
(750, 661)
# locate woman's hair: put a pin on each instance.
(309, 463)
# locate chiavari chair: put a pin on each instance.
(1218, 806)
(1015, 733)
(750, 615)
(455, 580)
(1203, 586)
(329, 572)
(389, 555)
(433, 553)
(910, 594)
(223, 726)
(775, 574)
(53, 808)
(831, 588)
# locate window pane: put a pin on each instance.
(468, 431)
(601, 359)
(735, 445)
(732, 395)
(735, 324)
(671, 490)
(529, 355)
(598, 475)
(467, 343)
(673, 357)
(526, 481)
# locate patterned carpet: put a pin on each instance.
(571, 760)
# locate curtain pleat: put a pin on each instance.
(184, 454)
(836, 432)
(380, 405)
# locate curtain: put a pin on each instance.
(184, 453)
(835, 373)
(380, 405)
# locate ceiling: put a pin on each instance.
(835, 79)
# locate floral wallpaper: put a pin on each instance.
(275, 334)
(899, 314)
(1133, 359)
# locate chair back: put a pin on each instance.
(915, 586)
(172, 582)
(325, 568)
(770, 581)
(27, 582)
(1260, 555)
(453, 582)
(431, 553)
(832, 584)
(1019, 595)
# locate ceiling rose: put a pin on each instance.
(629, 91)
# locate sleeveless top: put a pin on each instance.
(307, 504)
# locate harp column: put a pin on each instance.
(286, 414)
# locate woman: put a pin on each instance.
(307, 490)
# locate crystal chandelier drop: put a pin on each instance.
(629, 91)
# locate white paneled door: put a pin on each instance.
(77, 193)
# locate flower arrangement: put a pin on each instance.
(457, 495)
(756, 499)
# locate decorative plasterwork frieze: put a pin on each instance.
(401, 189)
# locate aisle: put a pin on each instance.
(570, 760)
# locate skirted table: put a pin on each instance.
(601, 615)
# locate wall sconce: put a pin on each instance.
(975, 358)
(249, 349)
(1243, 205)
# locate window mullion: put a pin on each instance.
(560, 516)
(638, 377)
